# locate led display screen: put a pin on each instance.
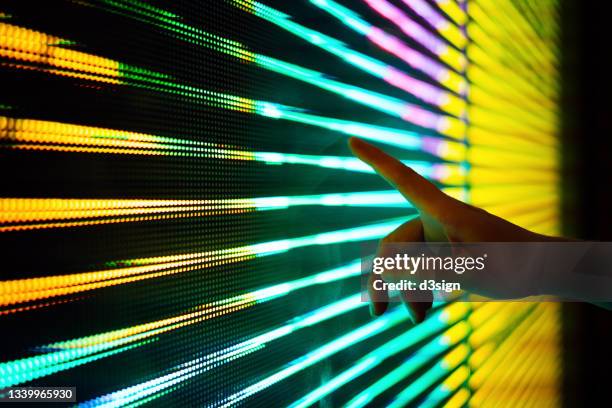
(182, 221)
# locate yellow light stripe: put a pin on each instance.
(25, 290)
(454, 35)
(51, 133)
(499, 101)
(483, 196)
(544, 123)
(484, 175)
(492, 47)
(456, 333)
(539, 217)
(455, 357)
(495, 67)
(481, 354)
(455, 311)
(537, 377)
(37, 306)
(539, 344)
(512, 145)
(491, 121)
(451, 9)
(459, 399)
(458, 377)
(491, 85)
(483, 312)
(490, 124)
(41, 209)
(73, 149)
(504, 351)
(549, 227)
(89, 77)
(492, 327)
(31, 46)
(199, 314)
(493, 77)
(488, 157)
(524, 207)
(516, 29)
(86, 223)
(506, 27)
(488, 348)
(515, 366)
(484, 47)
(64, 62)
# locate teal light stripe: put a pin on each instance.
(390, 136)
(30, 368)
(346, 271)
(381, 199)
(367, 232)
(426, 380)
(338, 48)
(362, 333)
(69, 353)
(375, 100)
(434, 323)
(346, 15)
(22, 376)
(424, 168)
(437, 395)
(420, 358)
(200, 365)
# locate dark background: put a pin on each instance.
(586, 121)
(586, 116)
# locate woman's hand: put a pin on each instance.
(441, 219)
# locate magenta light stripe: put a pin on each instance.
(430, 66)
(428, 13)
(413, 58)
(426, 92)
(408, 26)
(432, 145)
(423, 118)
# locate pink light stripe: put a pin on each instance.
(413, 58)
(432, 145)
(426, 92)
(428, 13)
(408, 26)
(423, 118)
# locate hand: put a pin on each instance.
(441, 219)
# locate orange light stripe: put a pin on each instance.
(23, 132)
(38, 306)
(205, 312)
(31, 46)
(69, 224)
(24, 290)
(14, 210)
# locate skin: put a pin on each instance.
(441, 219)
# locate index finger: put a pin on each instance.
(425, 196)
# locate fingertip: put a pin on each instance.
(415, 313)
(355, 144)
(419, 315)
(418, 309)
(377, 308)
(421, 309)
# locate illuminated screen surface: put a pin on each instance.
(182, 221)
